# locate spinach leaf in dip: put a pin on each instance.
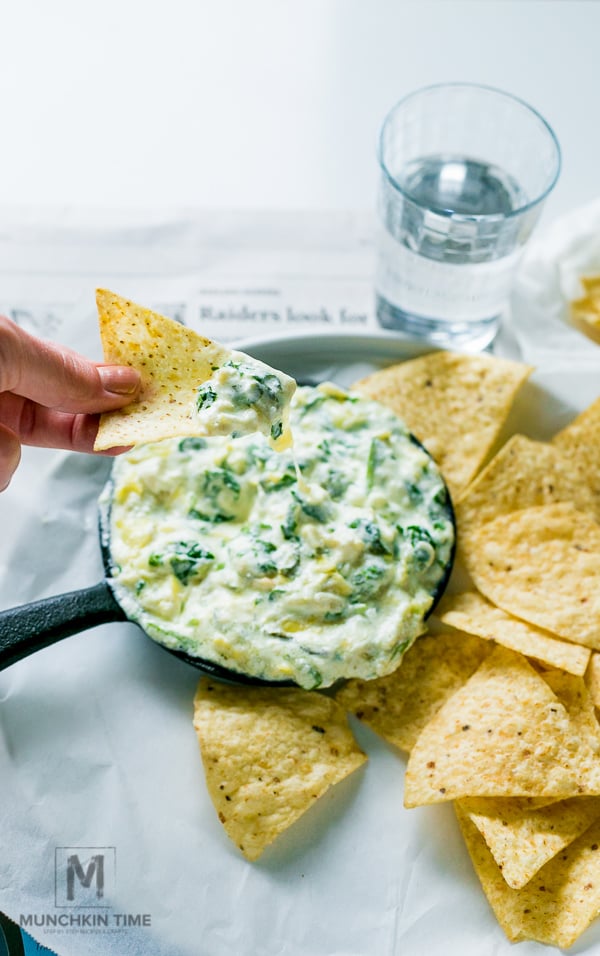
(242, 396)
(310, 564)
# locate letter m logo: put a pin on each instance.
(84, 875)
(95, 868)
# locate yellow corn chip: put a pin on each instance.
(268, 754)
(584, 315)
(173, 362)
(398, 706)
(522, 841)
(591, 284)
(543, 565)
(172, 359)
(523, 474)
(558, 904)
(579, 442)
(471, 612)
(455, 404)
(592, 678)
(502, 734)
(490, 806)
(574, 695)
(520, 835)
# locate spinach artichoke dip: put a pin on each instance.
(244, 396)
(305, 565)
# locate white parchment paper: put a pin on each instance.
(97, 750)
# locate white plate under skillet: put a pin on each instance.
(333, 356)
(97, 749)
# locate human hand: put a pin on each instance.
(52, 397)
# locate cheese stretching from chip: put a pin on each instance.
(191, 386)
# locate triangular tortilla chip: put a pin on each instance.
(268, 754)
(580, 443)
(503, 734)
(522, 841)
(523, 474)
(558, 904)
(174, 361)
(543, 565)
(455, 404)
(400, 705)
(574, 695)
(471, 612)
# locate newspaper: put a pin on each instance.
(229, 275)
(98, 755)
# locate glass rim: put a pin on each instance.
(439, 210)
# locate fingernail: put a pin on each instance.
(119, 379)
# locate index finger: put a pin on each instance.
(58, 377)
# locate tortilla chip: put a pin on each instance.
(503, 734)
(398, 706)
(523, 474)
(489, 806)
(172, 359)
(580, 443)
(584, 315)
(471, 612)
(575, 697)
(183, 377)
(591, 284)
(592, 678)
(543, 565)
(455, 404)
(558, 904)
(268, 754)
(522, 841)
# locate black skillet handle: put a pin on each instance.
(29, 628)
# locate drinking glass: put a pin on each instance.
(465, 170)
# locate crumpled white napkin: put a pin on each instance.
(547, 279)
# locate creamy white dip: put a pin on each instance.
(243, 396)
(310, 567)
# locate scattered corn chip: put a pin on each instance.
(268, 754)
(471, 612)
(455, 404)
(523, 840)
(543, 565)
(503, 734)
(558, 904)
(398, 706)
(579, 442)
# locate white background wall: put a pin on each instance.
(267, 103)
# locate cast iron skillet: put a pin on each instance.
(31, 627)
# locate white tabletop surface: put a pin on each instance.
(271, 103)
